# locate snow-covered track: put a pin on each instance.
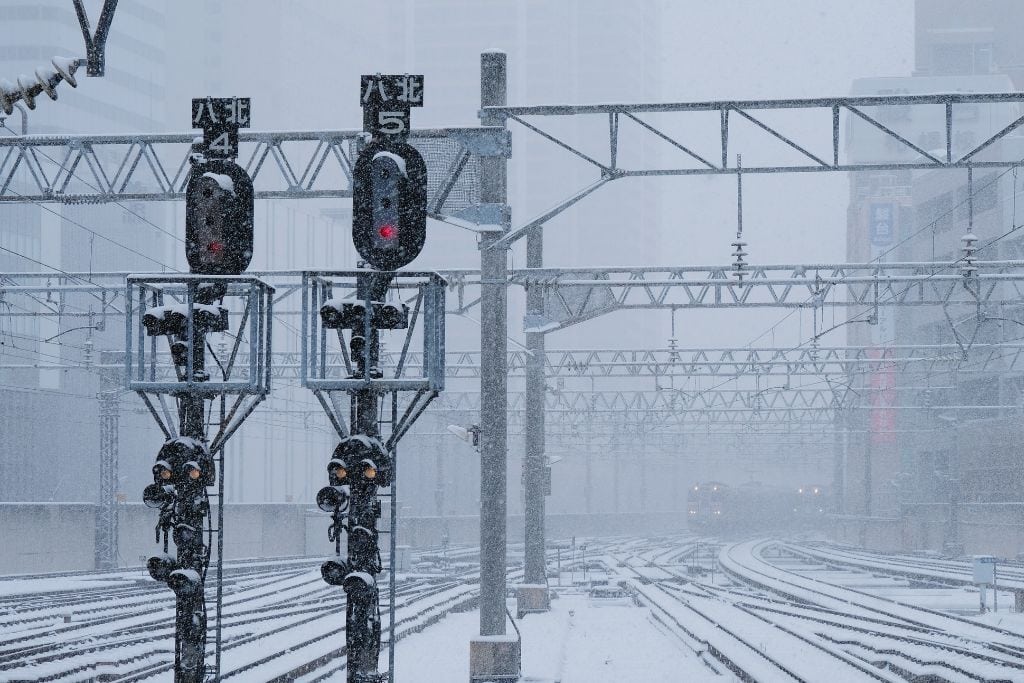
(742, 643)
(738, 641)
(914, 568)
(128, 653)
(903, 636)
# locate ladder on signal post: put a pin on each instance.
(391, 496)
(214, 603)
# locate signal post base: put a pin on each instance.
(531, 598)
(494, 658)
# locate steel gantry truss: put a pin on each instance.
(707, 150)
(76, 169)
(838, 362)
(575, 295)
(802, 405)
(572, 295)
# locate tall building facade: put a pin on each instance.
(928, 469)
(49, 366)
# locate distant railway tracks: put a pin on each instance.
(910, 640)
(777, 616)
(124, 631)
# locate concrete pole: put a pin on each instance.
(106, 518)
(533, 462)
(588, 462)
(644, 466)
(493, 364)
(839, 464)
(440, 484)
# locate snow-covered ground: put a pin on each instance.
(758, 611)
(576, 642)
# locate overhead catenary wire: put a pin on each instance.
(93, 187)
(925, 227)
(92, 232)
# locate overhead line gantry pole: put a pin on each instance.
(488, 656)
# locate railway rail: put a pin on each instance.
(769, 617)
(913, 640)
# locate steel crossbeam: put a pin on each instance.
(576, 294)
(75, 169)
(660, 402)
(714, 407)
(838, 362)
(712, 131)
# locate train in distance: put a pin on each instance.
(718, 507)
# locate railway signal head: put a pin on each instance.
(373, 464)
(184, 582)
(359, 585)
(389, 204)
(334, 572)
(160, 567)
(183, 463)
(218, 218)
(337, 472)
(161, 491)
(333, 498)
(351, 315)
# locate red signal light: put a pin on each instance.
(387, 232)
(215, 247)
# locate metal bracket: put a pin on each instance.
(95, 44)
(251, 301)
(487, 141)
(320, 371)
(495, 215)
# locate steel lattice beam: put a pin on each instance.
(573, 295)
(838, 362)
(576, 295)
(709, 154)
(661, 409)
(76, 169)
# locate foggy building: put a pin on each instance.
(59, 356)
(927, 466)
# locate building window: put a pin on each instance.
(962, 58)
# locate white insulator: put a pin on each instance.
(66, 67)
(8, 96)
(739, 265)
(25, 86)
(43, 80)
(968, 244)
(48, 77)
